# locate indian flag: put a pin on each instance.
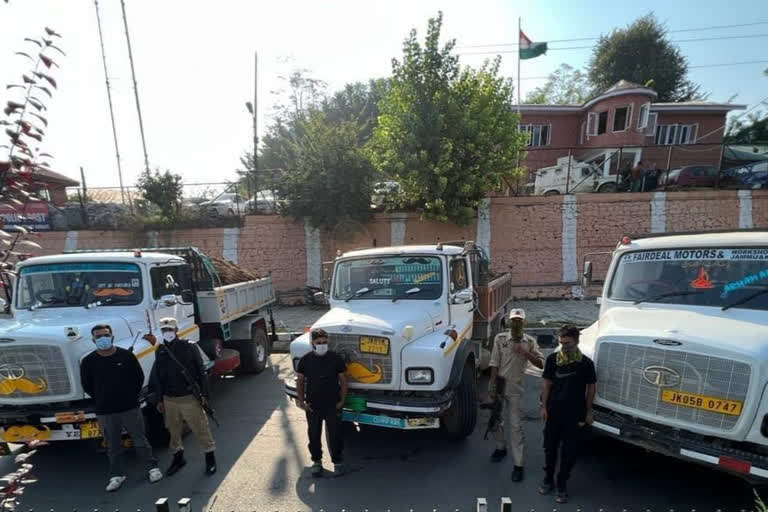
(529, 49)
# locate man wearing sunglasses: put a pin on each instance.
(321, 388)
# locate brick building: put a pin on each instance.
(625, 125)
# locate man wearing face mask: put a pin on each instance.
(321, 388)
(171, 390)
(511, 353)
(113, 378)
(567, 394)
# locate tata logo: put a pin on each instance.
(667, 343)
(11, 372)
(661, 376)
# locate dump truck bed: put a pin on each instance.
(225, 304)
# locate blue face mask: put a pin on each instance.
(103, 342)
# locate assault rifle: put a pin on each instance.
(495, 407)
(194, 387)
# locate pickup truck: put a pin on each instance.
(415, 326)
(58, 299)
(681, 348)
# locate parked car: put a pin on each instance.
(226, 204)
(266, 201)
(754, 175)
(689, 176)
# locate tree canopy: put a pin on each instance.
(642, 53)
(752, 131)
(447, 135)
(564, 86)
(164, 190)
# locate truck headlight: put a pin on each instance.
(419, 376)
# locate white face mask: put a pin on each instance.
(321, 350)
(169, 336)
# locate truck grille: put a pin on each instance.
(379, 367)
(620, 380)
(35, 363)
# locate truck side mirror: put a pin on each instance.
(586, 276)
(169, 300)
(462, 297)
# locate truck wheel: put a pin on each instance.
(607, 188)
(254, 352)
(154, 424)
(460, 418)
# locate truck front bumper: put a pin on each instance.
(393, 410)
(25, 424)
(735, 458)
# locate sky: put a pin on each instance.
(194, 63)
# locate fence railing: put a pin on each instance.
(641, 168)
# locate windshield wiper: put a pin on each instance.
(667, 294)
(407, 292)
(361, 291)
(745, 299)
(40, 304)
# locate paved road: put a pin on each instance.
(263, 465)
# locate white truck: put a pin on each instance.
(58, 299)
(415, 326)
(681, 348)
(580, 178)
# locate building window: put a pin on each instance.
(621, 118)
(642, 116)
(538, 134)
(671, 134)
(597, 123)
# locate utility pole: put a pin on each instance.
(111, 109)
(135, 88)
(255, 125)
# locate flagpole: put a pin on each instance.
(519, 31)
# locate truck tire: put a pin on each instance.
(154, 424)
(459, 420)
(254, 353)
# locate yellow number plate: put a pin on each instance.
(374, 345)
(90, 430)
(707, 403)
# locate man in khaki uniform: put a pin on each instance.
(512, 351)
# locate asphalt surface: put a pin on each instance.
(263, 465)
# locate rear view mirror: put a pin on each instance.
(168, 300)
(586, 276)
(462, 297)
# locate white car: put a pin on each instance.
(226, 204)
(265, 202)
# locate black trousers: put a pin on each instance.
(562, 436)
(333, 433)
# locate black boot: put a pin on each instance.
(177, 463)
(210, 463)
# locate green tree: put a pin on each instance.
(642, 53)
(753, 131)
(329, 176)
(564, 86)
(164, 190)
(446, 135)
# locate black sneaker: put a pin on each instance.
(498, 455)
(210, 463)
(177, 463)
(546, 486)
(517, 474)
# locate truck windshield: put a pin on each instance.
(77, 284)
(718, 277)
(389, 277)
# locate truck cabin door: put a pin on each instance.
(168, 282)
(460, 296)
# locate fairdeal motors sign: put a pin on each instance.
(33, 215)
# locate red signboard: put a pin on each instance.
(33, 215)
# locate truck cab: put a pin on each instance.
(680, 348)
(403, 319)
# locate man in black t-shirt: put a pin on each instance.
(321, 389)
(113, 377)
(567, 395)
